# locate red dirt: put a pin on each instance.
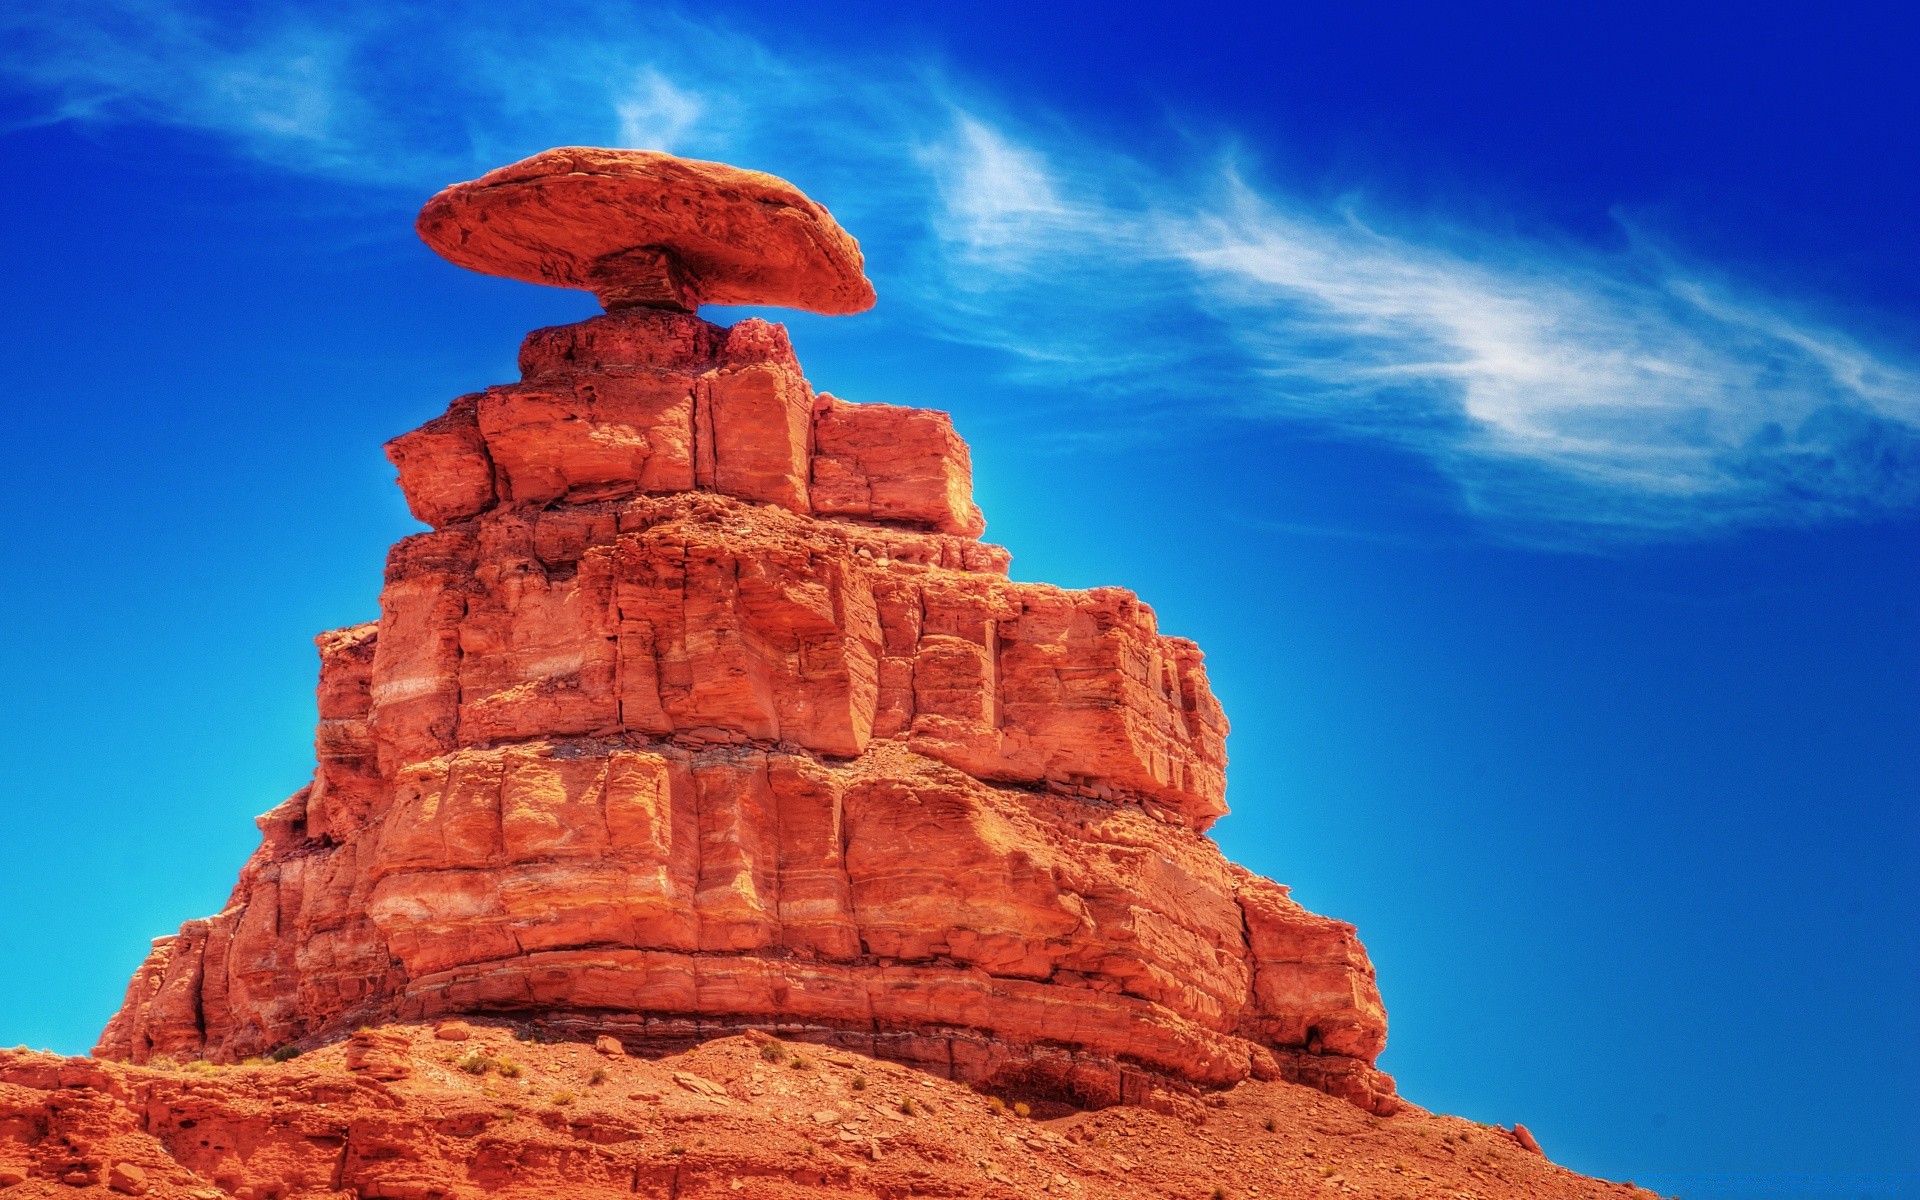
(391, 1113)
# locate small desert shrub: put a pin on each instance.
(859, 1083)
(563, 1099)
(801, 1063)
(773, 1052)
(1022, 1109)
(676, 1149)
(1219, 1193)
(476, 1063)
(598, 1077)
(1270, 1125)
(199, 1066)
(285, 1053)
(996, 1105)
(907, 1107)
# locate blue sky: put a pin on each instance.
(1521, 405)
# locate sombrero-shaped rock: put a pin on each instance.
(638, 227)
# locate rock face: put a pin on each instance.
(702, 709)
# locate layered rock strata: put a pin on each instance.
(702, 708)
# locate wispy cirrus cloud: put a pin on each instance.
(1573, 395)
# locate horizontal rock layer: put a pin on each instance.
(640, 227)
(702, 616)
(646, 401)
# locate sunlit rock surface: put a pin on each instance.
(701, 708)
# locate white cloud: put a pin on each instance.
(655, 114)
(995, 196)
(1572, 395)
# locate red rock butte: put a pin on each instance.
(702, 710)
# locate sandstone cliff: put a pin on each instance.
(702, 709)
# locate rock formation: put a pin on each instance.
(701, 709)
(707, 233)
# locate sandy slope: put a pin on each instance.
(402, 1112)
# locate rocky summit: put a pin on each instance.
(702, 713)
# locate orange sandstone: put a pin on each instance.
(641, 228)
(702, 709)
